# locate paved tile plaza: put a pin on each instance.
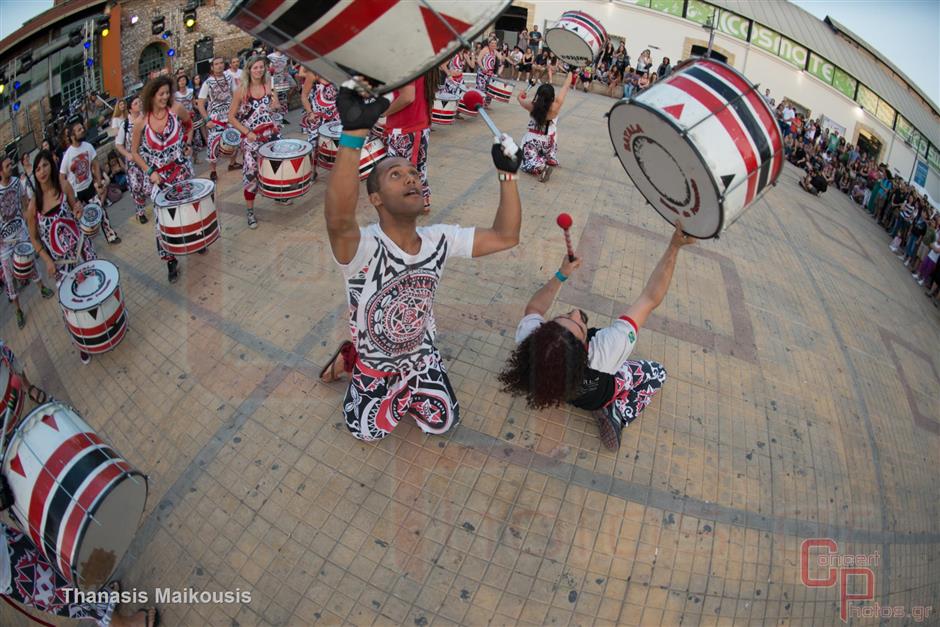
(802, 402)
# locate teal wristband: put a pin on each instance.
(351, 141)
(561, 277)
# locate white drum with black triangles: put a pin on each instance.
(372, 152)
(77, 499)
(701, 145)
(388, 42)
(576, 38)
(187, 217)
(285, 170)
(93, 307)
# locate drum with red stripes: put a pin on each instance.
(93, 307)
(13, 395)
(701, 145)
(24, 260)
(77, 499)
(444, 111)
(466, 109)
(285, 169)
(576, 38)
(389, 42)
(230, 141)
(372, 151)
(187, 216)
(500, 90)
(90, 222)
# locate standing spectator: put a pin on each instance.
(607, 57)
(918, 229)
(932, 240)
(234, 72)
(644, 63)
(664, 68)
(623, 59)
(535, 39)
(523, 41)
(770, 101)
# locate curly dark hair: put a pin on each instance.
(151, 89)
(547, 367)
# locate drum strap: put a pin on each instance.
(16, 607)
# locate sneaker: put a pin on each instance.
(142, 218)
(202, 252)
(914, 274)
(546, 174)
(213, 176)
(20, 319)
(608, 429)
(172, 270)
(116, 240)
(46, 292)
(85, 357)
(920, 282)
(252, 221)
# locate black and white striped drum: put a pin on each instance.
(24, 261)
(389, 42)
(90, 222)
(93, 306)
(444, 111)
(576, 38)
(77, 499)
(285, 169)
(701, 145)
(187, 219)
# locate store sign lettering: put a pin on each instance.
(793, 53)
(765, 38)
(820, 68)
(733, 24)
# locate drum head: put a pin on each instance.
(285, 149)
(569, 46)
(667, 169)
(331, 130)
(88, 285)
(231, 136)
(446, 97)
(103, 543)
(91, 215)
(24, 249)
(184, 192)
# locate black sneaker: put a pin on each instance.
(85, 357)
(142, 219)
(172, 273)
(608, 428)
(252, 220)
(116, 240)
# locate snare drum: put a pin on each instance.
(187, 219)
(372, 151)
(445, 108)
(389, 43)
(701, 145)
(77, 499)
(13, 394)
(576, 38)
(500, 90)
(231, 138)
(90, 221)
(464, 108)
(24, 261)
(93, 307)
(284, 168)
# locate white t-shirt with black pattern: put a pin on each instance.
(607, 350)
(391, 294)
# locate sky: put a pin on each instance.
(905, 31)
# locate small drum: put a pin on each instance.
(445, 108)
(464, 108)
(24, 261)
(576, 38)
(77, 499)
(188, 220)
(13, 394)
(701, 145)
(389, 43)
(373, 150)
(500, 90)
(284, 168)
(90, 221)
(93, 307)
(231, 138)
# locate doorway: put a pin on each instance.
(153, 57)
(869, 144)
(700, 51)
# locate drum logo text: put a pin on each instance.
(628, 134)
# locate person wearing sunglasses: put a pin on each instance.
(563, 360)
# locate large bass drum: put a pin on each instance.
(388, 42)
(700, 145)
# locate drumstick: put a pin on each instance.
(474, 100)
(564, 221)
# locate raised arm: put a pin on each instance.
(404, 97)
(504, 233)
(526, 104)
(543, 299)
(342, 191)
(658, 283)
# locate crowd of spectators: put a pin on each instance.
(912, 224)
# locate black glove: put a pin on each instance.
(356, 113)
(6, 494)
(504, 163)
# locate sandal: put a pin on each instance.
(330, 367)
(45, 291)
(153, 616)
(39, 396)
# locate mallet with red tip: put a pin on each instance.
(564, 221)
(474, 100)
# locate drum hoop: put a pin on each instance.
(189, 201)
(117, 285)
(24, 420)
(444, 53)
(698, 153)
(285, 157)
(23, 245)
(93, 509)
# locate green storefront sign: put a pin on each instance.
(699, 12)
(792, 52)
(672, 7)
(820, 68)
(763, 37)
(844, 83)
(733, 24)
